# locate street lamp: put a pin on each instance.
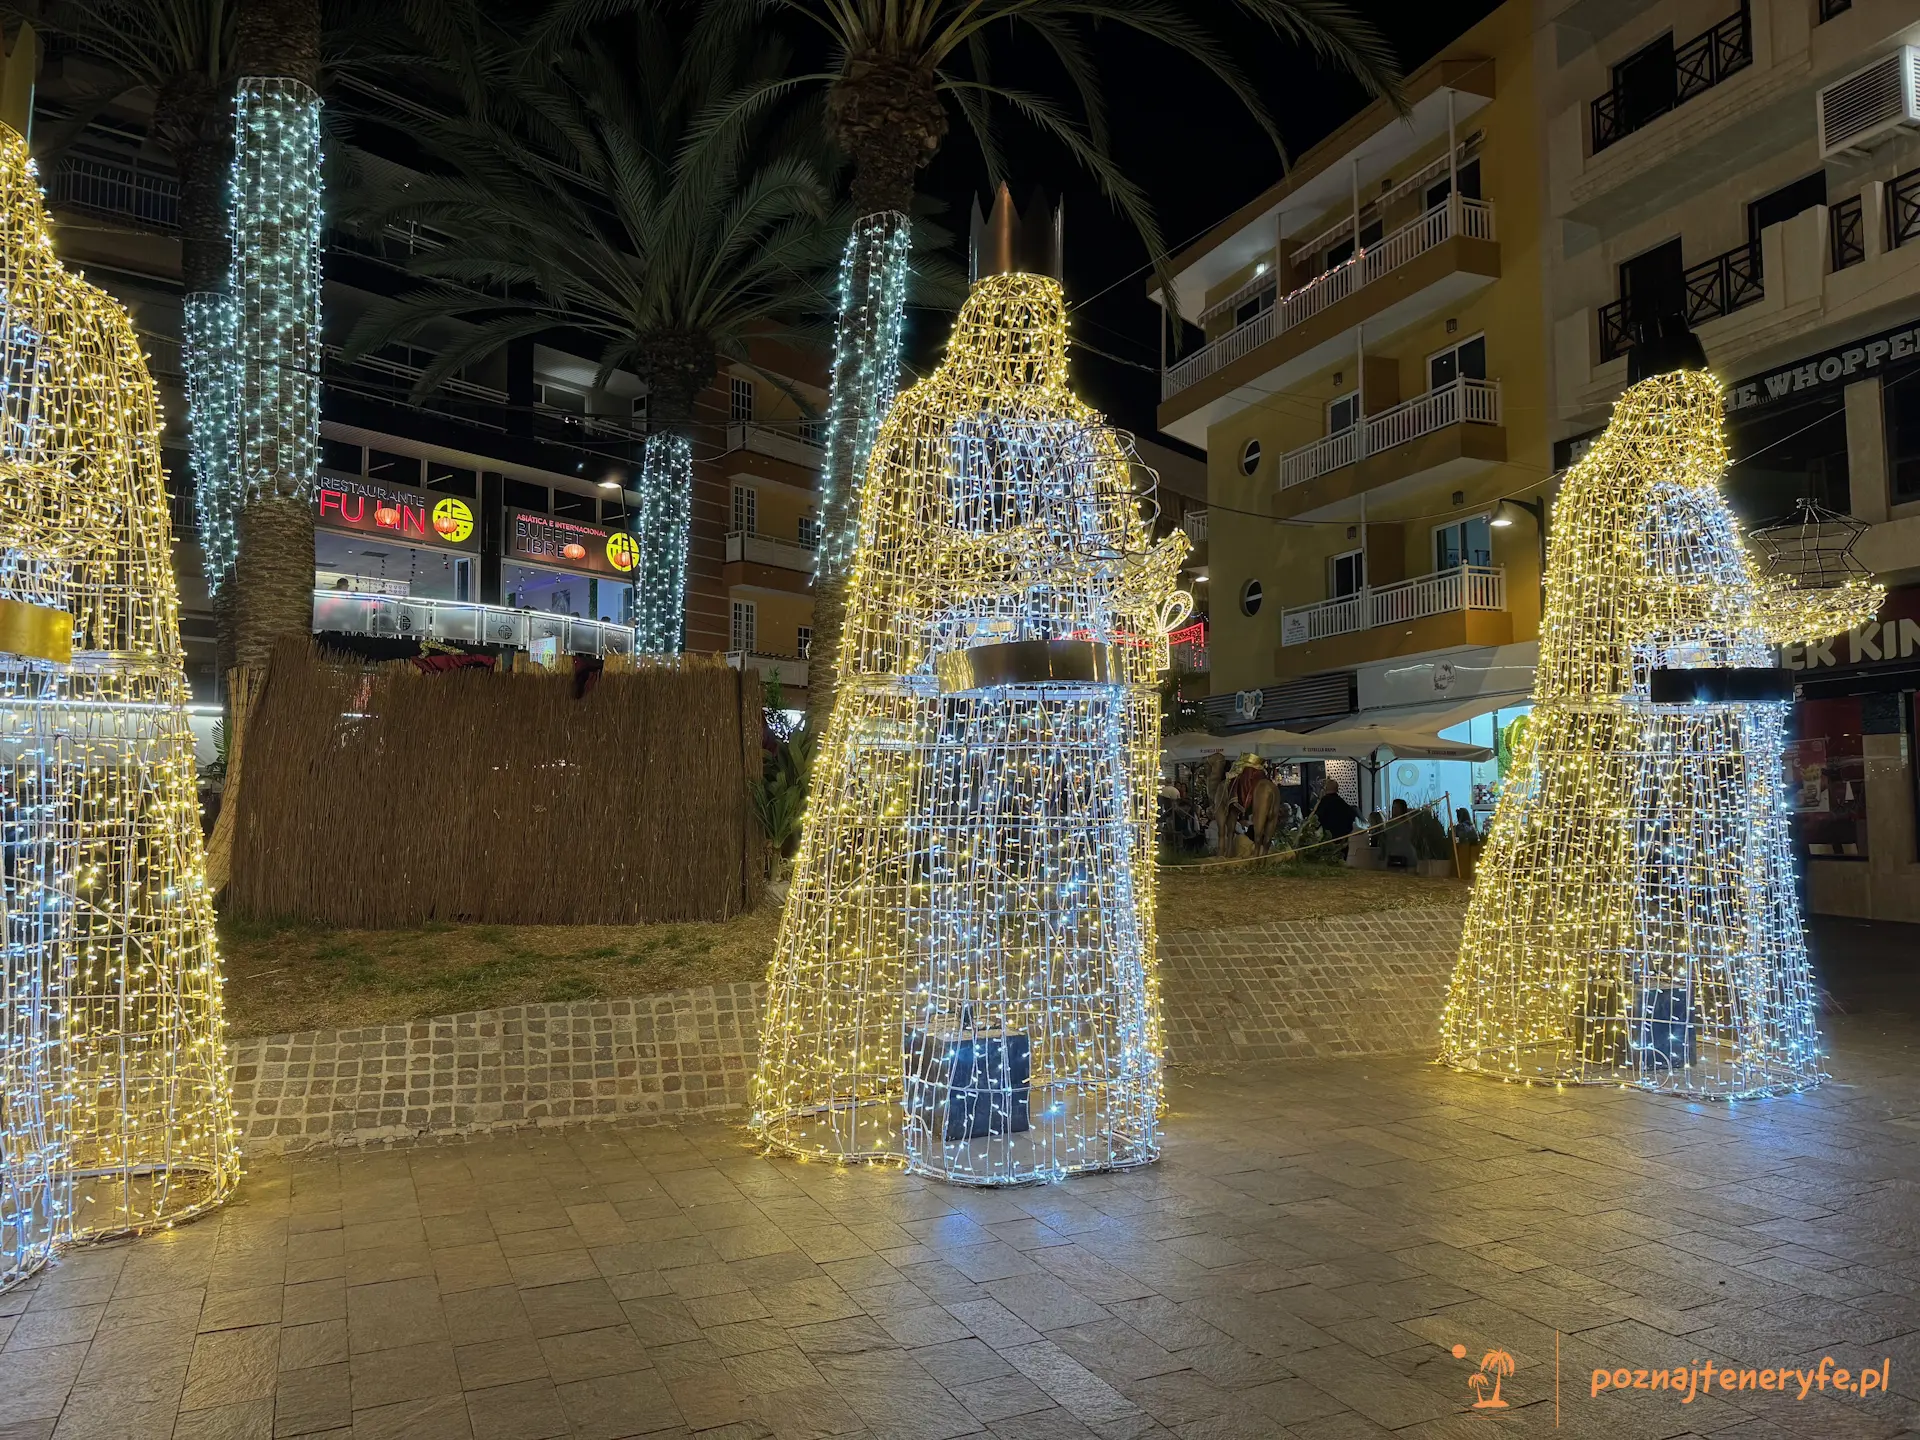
(1507, 512)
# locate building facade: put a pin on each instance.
(491, 512)
(1372, 395)
(1755, 165)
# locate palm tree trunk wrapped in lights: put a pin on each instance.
(661, 528)
(964, 974)
(1634, 917)
(112, 1055)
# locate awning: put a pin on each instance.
(1355, 741)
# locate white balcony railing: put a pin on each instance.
(785, 445)
(1452, 216)
(1477, 402)
(1471, 587)
(765, 550)
(1194, 522)
(407, 618)
(784, 668)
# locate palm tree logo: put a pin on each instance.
(1497, 1364)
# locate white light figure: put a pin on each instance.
(964, 977)
(1634, 919)
(113, 1067)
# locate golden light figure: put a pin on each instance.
(122, 1095)
(1634, 918)
(964, 974)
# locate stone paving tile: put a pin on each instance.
(1318, 1237)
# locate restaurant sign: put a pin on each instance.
(590, 549)
(1890, 638)
(1842, 365)
(411, 517)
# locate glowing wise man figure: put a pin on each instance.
(116, 1094)
(964, 972)
(1634, 918)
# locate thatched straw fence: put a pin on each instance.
(382, 797)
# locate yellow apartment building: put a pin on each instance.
(1372, 394)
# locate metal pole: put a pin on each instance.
(1355, 163)
(1453, 173)
(1360, 390)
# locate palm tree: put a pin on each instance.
(597, 198)
(1499, 1364)
(181, 51)
(897, 72)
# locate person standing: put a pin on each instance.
(1335, 815)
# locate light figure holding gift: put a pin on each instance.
(964, 976)
(1634, 919)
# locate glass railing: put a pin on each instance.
(399, 617)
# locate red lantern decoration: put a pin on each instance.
(575, 552)
(386, 517)
(446, 523)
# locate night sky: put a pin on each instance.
(1195, 151)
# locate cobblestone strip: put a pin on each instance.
(1350, 985)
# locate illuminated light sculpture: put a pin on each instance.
(206, 334)
(276, 223)
(964, 977)
(1634, 918)
(112, 1055)
(660, 530)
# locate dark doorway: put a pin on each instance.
(1653, 284)
(1643, 84)
(1786, 202)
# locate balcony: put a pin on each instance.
(1471, 587)
(404, 618)
(1903, 209)
(788, 445)
(1384, 451)
(756, 549)
(1438, 225)
(784, 668)
(116, 187)
(1419, 269)
(1194, 522)
(1712, 288)
(1697, 66)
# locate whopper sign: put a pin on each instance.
(1842, 365)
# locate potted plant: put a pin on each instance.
(1432, 847)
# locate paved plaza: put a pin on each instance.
(1317, 1240)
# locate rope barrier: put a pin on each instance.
(1295, 853)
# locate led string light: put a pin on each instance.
(1634, 918)
(117, 1114)
(276, 224)
(872, 304)
(661, 527)
(207, 335)
(973, 895)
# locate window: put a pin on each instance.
(1346, 574)
(1443, 187)
(1465, 542)
(803, 641)
(739, 398)
(740, 635)
(1901, 398)
(640, 411)
(452, 480)
(1782, 453)
(569, 506)
(340, 456)
(1653, 284)
(809, 529)
(811, 430)
(1827, 779)
(1468, 358)
(1251, 595)
(392, 468)
(1343, 413)
(1786, 202)
(1252, 307)
(562, 397)
(1250, 457)
(522, 496)
(746, 509)
(613, 512)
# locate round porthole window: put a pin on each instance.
(1250, 597)
(1250, 461)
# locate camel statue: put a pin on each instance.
(1243, 792)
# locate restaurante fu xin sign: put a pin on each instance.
(411, 517)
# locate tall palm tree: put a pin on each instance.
(896, 73)
(595, 196)
(181, 51)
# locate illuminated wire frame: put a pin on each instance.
(964, 976)
(661, 530)
(872, 303)
(1811, 546)
(276, 214)
(206, 334)
(114, 1063)
(1634, 919)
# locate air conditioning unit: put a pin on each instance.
(1871, 104)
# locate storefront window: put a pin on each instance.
(1827, 780)
(1901, 399)
(1782, 454)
